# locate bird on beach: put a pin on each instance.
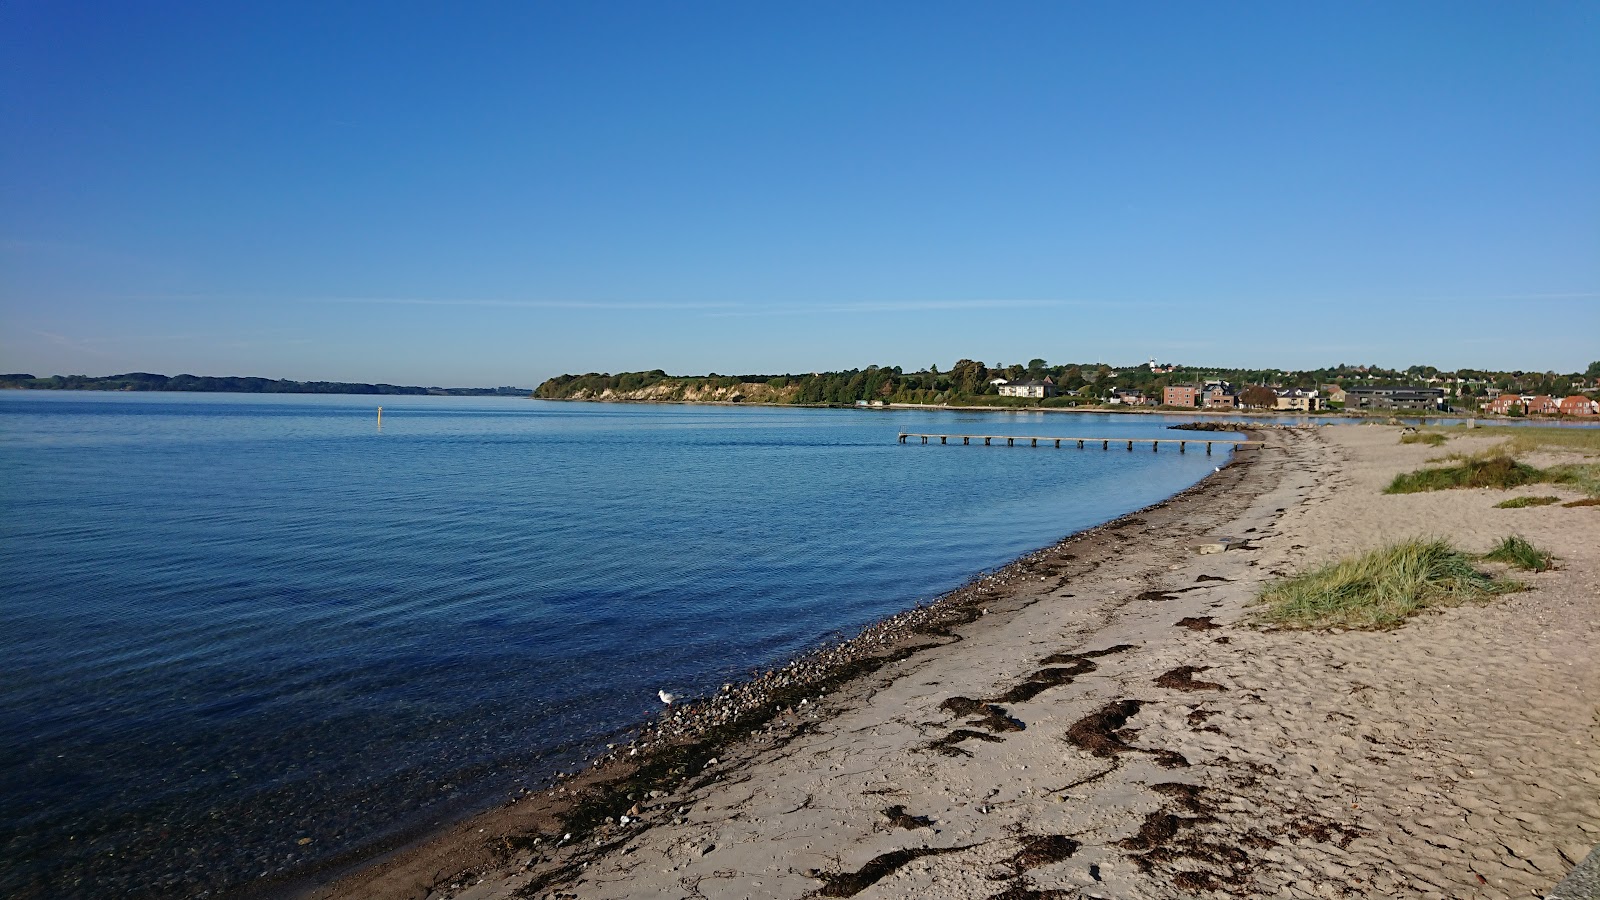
(666, 697)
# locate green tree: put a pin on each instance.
(968, 376)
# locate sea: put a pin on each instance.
(244, 636)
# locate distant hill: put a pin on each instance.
(970, 383)
(233, 384)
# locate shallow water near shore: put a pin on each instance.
(245, 633)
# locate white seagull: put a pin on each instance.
(666, 697)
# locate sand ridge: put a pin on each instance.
(1110, 729)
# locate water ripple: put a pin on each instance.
(231, 623)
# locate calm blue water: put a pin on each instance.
(233, 622)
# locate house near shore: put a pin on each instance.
(1181, 395)
(1543, 405)
(1221, 395)
(1039, 389)
(1579, 405)
(1211, 395)
(1334, 392)
(1130, 397)
(1503, 404)
(1299, 399)
(1418, 398)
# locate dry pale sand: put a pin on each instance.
(1114, 730)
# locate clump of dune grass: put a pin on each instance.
(1516, 551)
(1495, 467)
(1379, 589)
(1521, 502)
(1498, 471)
(1583, 476)
(1431, 438)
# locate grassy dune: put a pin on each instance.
(1379, 589)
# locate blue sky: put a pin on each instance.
(419, 193)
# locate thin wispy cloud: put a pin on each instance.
(525, 304)
(905, 306)
(1419, 303)
(76, 344)
(1579, 295)
(720, 309)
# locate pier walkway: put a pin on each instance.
(1105, 443)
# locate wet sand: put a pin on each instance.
(1095, 720)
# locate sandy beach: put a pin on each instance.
(1099, 720)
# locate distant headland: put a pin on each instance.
(234, 384)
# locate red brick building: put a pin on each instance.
(1182, 395)
(1543, 405)
(1579, 405)
(1503, 404)
(1221, 397)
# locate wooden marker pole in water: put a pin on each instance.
(380, 417)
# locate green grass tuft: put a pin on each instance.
(1583, 476)
(1516, 551)
(1526, 438)
(1493, 471)
(1521, 502)
(1378, 589)
(1431, 438)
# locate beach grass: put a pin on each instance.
(1583, 476)
(1497, 471)
(1523, 439)
(1522, 502)
(1379, 589)
(1431, 438)
(1515, 551)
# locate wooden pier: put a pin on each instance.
(1105, 443)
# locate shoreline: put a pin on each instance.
(703, 727)
(1100, 718)
(1332, 416)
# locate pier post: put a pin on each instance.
(1033, 442)
(380, 417)
(1058, 443)
(902, 439)
(986, 442)
(1105, 445)
(1208, 448)
(1180, 445)
(1154, 446)
(1080, 445)
(1130, 446)
(1011, 442)
(924, 439)
(965, 440)
(942, 438)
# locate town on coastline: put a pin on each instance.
(1151, 385)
